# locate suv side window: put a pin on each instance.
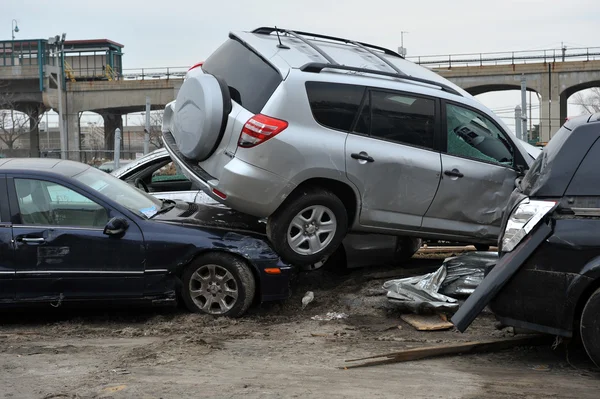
(43, 203)
(334, 105)
(401, 118)
(472, 135)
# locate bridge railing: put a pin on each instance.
(153, 73)
(510, 57)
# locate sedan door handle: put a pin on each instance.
(453, 173)
(36, 240)
(362, 156)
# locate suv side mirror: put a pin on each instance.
(116, 227)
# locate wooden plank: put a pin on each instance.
(433, 322)
(444, 350)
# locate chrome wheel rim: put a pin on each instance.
(312, 230)
(213, 289)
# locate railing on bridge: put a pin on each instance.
(511, 57)
(154, 73)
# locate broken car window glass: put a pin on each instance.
(471, 135)
(119, 191)
(50, 204)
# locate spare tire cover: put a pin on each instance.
(199, 115)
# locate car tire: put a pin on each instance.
(406, 247)
(218, 284)
(299, 218)
(589, 327)
(482, 247)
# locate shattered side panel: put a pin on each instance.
(472, 205)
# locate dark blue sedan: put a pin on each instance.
(72, 233)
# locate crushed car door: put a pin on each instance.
(392, 158)
(477, 176)
(7, 265)
(60, 249)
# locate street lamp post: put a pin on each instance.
(15, 28)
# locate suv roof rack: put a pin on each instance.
(317, 67)
(265, 30)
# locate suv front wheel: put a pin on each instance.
(308, 226)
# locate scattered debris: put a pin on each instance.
(455, 349)
(121, 371)
(308, 298)
(330, 316)
(420, 294)
(427, 322)
(464, 273)
(437, 291)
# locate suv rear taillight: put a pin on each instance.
(196, 66)
(259, 129)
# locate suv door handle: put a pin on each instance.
(363, 156)
(453, 173)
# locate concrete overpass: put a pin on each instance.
(553, 74)
(111, 100)
(31, 73)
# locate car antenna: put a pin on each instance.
(280, 45)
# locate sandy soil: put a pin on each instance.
(277, 351)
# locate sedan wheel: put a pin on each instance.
(218, 284)
(590, 327)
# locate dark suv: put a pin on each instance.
(548, 277)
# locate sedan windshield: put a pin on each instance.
(122, 193)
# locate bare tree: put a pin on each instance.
(156, 119)
(93, 138)
(589, 102)
(15, 124)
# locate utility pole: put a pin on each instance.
(147, 128)
(402, 50)
(59, 45)
(525, 136)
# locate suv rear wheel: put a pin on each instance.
(308, 226)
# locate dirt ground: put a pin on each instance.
(276, 351)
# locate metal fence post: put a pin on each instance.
(117, 147)
(518, 117)
(147, 128)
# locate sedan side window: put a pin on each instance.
(472, 135)
(49, 204)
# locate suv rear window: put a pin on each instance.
(334, 105)
(251, 79)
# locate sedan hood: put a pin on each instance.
(213, 216)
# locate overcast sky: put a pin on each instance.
(180, 33)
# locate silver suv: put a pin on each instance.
(323, 135)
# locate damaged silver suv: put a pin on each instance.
(323, 135)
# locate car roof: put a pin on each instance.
(47, 165)
(303, 49)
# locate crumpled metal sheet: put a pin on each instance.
(465, 272)
(437, 291)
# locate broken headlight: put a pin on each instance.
(522, 220)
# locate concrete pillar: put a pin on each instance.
(73, 137)
(34, 132)
(550, 105)
(112, 121)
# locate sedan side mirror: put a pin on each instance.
(116, 227)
